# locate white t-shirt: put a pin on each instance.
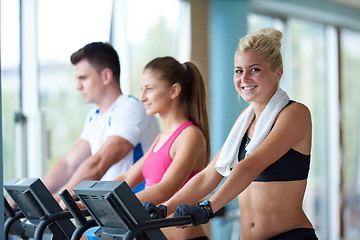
(127, 119)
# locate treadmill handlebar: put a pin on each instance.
(73, 208)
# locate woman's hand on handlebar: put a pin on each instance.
(154, 211)
(199, 214)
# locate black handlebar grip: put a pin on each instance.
(73, 208)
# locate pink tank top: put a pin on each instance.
(156, 163)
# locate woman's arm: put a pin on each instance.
(188, 149)
(197, 188)
(292, 129)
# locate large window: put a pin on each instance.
(151, 31)
(147, 29)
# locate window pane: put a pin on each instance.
(158, 36)
(350, 88)
(256, 22)
(10, 82)
(307, 49)
(64, 27)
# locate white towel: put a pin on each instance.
(228, 157)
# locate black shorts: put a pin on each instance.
(199, 238)
(296, 234)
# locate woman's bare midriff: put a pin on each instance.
(270, 208)
(174, 233)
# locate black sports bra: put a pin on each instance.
(292, 166)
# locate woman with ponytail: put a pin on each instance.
(176, 92)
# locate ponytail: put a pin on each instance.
(196, 106)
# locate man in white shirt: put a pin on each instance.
(115, 135)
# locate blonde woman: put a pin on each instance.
(266, 156)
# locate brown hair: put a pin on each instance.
(100, 55)
(193, 91)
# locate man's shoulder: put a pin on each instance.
(128, 98)
(92, 113)
(128, 103)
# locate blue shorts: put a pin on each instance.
(90, 233)
(296, 234)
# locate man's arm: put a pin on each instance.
(95, 166)
(62, 170)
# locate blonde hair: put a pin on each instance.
(266, 41)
